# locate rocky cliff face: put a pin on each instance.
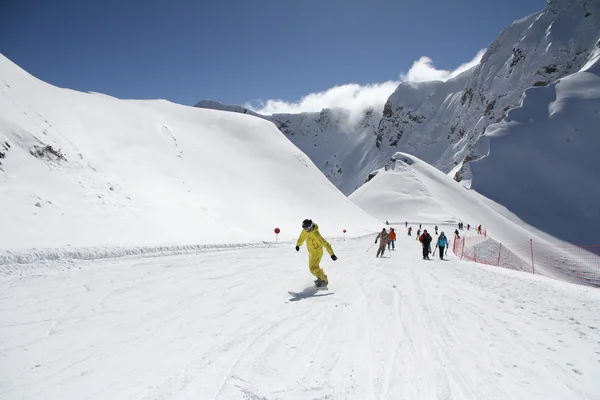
(441, 122)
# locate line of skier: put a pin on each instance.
(315, 244)
(388, 240)
(461, 226)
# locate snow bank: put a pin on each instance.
(11, 261)
(84, 170)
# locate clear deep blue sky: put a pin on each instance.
(242, 50)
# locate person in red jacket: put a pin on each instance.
(425, 240)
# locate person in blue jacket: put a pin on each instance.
(442, 242)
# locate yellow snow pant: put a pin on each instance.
(314, 259)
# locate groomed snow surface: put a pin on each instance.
(221, 325)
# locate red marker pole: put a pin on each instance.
(344, 234)
(277, 233)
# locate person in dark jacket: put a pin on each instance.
(425, 240)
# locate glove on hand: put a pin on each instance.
(297, 248)
(333, 257)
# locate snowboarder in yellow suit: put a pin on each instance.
(315, 243)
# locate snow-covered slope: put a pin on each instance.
(441, 122)
(340, 144)
(409, 189)
(543, 160)
(84, 169)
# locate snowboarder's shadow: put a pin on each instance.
(306, 293)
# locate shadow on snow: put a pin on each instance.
(306, 293)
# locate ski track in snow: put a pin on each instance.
(222, 325)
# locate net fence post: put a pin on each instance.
(532, 264)
(499, 252)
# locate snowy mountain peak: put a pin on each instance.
(444, 129)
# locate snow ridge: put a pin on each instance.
(12, 261)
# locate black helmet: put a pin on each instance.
(307, 224)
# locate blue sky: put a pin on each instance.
(243, 51)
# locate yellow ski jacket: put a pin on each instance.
(314, 241)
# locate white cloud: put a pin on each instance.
(351, 96)
(355, 97)
(423, 70)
